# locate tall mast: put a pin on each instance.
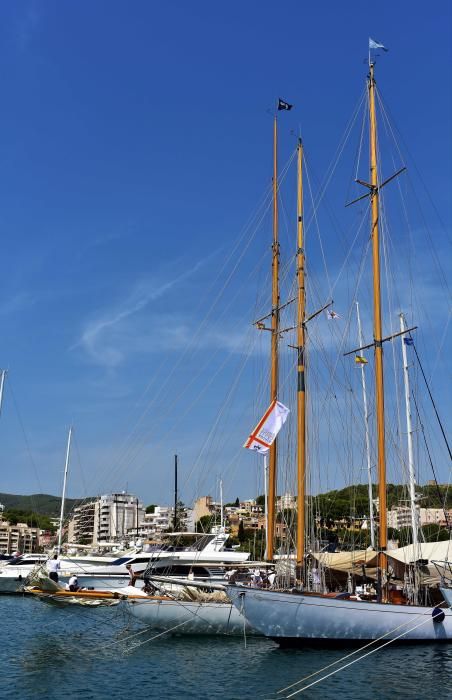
(409, 429)
(379, 383)
(175, 494)
(274, 345)
(63, 496)
(301, 389)
(366, 432)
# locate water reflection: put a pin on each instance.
(57, 653)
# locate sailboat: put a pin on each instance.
(299, 617)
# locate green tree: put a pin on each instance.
(435, 533)
(260, 501)
(241, 533)
(204, 524)
(253, 541)
(150, 508)
(31, 518)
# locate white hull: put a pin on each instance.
(190, 617)
(103, 583)
(13, 583)
(294, 618)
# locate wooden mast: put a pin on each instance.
(301, 390)
(274, 346)
(378, 337)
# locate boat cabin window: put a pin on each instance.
(121, 560)
(202, 542)
(27, 562)
(183, 570)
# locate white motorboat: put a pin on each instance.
(204, 559)
(13, 573)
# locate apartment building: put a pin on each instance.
(18, 538)
(162, 520)
(110, 518)
(400, 516)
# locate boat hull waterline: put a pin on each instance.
(190, 617)
(292, 618)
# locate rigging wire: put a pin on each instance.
(25, 437)
(431, 398)
(318, 229)
(441, 499)
(194, 339)
(363, 656)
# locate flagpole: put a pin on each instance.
(409, 429)
(366, 430)
(274, 345)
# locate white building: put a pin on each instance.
(119, 514)
(110, 518)
(162, 520)
(286, 502)
(400, 516)
(435, 516)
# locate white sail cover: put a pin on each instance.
(267, 429)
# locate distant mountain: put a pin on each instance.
(41, 503)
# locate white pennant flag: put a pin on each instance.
(332, 315)
(376, 45)
(267, 429)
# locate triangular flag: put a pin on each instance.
(332, 316)
(360, 360)
(376, 45)
(282, 104)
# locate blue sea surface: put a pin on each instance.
(72, 652)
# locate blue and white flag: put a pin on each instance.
(408, 341)
(376, 45)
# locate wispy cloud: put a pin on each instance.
(106, 339)
(99, 241)
(16, 303)
(27, 24)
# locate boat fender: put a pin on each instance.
(438, 615)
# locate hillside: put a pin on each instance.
(40, 503)
(354, 500)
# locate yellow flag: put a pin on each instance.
(360, 360)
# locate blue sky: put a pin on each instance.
(135, 143)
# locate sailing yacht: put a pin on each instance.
(299, 617)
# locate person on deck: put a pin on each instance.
(133, 578)
(73, 584)
(53, 567)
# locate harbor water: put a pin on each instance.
(54, 652)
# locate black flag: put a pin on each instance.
(284, 105)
